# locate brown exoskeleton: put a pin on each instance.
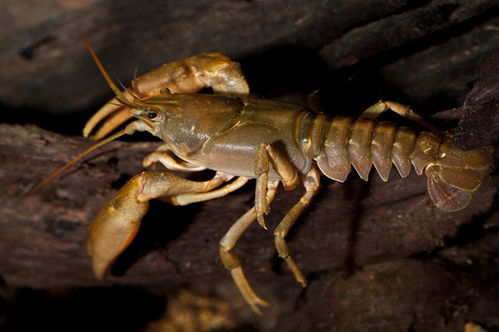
(274, 142)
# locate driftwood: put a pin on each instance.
(426, 54)
(354, 52)
(480, 123)
(42, 236)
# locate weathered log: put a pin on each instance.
(480, 123)
(42, 236)
(45, 67)
(422, 53)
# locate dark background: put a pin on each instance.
(427, 54)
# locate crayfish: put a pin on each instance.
(243, 138)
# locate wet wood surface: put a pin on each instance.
(433, 55)
(43, 235)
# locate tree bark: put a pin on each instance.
(426, 54)
(42, 236)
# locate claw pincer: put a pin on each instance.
(116, 225)
(118, 221)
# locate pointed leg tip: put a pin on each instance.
(256, 303)
(261, 221)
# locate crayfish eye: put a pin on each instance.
(151, 114)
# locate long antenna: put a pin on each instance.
(78, 158)
(131, 128)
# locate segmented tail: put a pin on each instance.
(338, 144)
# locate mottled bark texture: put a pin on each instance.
(426, 54)
(360, 222)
